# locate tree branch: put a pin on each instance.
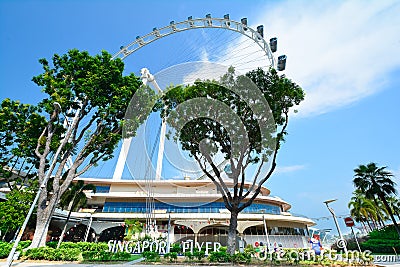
(218, 174)
(278, 142)
(93, 161)
(219, 186)
(254, 180)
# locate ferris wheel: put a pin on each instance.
(220, 40)
(225, 23)
(233, 47)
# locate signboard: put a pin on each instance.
(160, 247)
(349, 221)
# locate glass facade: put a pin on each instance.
(186, 207)
(260, 230)
(102, 189)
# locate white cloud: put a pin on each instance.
(339, 52)
(287, 169)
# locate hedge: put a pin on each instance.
(5, 247)
(52, 254)
(105, 256)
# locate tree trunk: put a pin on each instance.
(232, 232)
(373, 221)
(66, 222)
(39, 238)
(5, 233)
(377, 214)
(369, 225)
(44, 215)
(395, 211)
(396, 226)
(382, 222)
(364, 226)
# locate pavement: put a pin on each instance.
(54, 263)
(66, 264)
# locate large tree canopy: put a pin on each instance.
(20, 128)
(243, 118)
(93, 94)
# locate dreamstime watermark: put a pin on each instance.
(141, 157)
(386, 258)
(310, 255)
(341, 243)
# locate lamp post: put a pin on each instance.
(57, 110)
(336, 223)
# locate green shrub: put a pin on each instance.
(250, 249)
(121, 256)
(384, 240)
(389, 232)
(24, 244)
(381, 245)
(67, 254)
(151, 256)
(223, 249)
(171, 256)
(105, 256)
(86, 246)
(51, 254)
(176, 247)
(52, 244)
(189, 256)
(5, 247)
(241, 258)
(199, 254)
(97, 255)
(219, 256)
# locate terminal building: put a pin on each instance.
(182, 210)
(175, 209)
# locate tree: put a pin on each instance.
(381, 212)
(14, 210)
(74, 198)
(93, 94)
(20, 128)
(394, 202)
(245, 119)
(132, 227)
(362, 209)
(375, 181)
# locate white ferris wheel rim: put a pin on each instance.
(197, 23)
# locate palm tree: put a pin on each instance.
(75, 197)
(376, 181)
(362, 209)
(395, 204)
(382, 213)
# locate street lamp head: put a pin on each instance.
(329, 201)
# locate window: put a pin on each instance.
(186, 207)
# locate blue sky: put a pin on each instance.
(345, 55)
